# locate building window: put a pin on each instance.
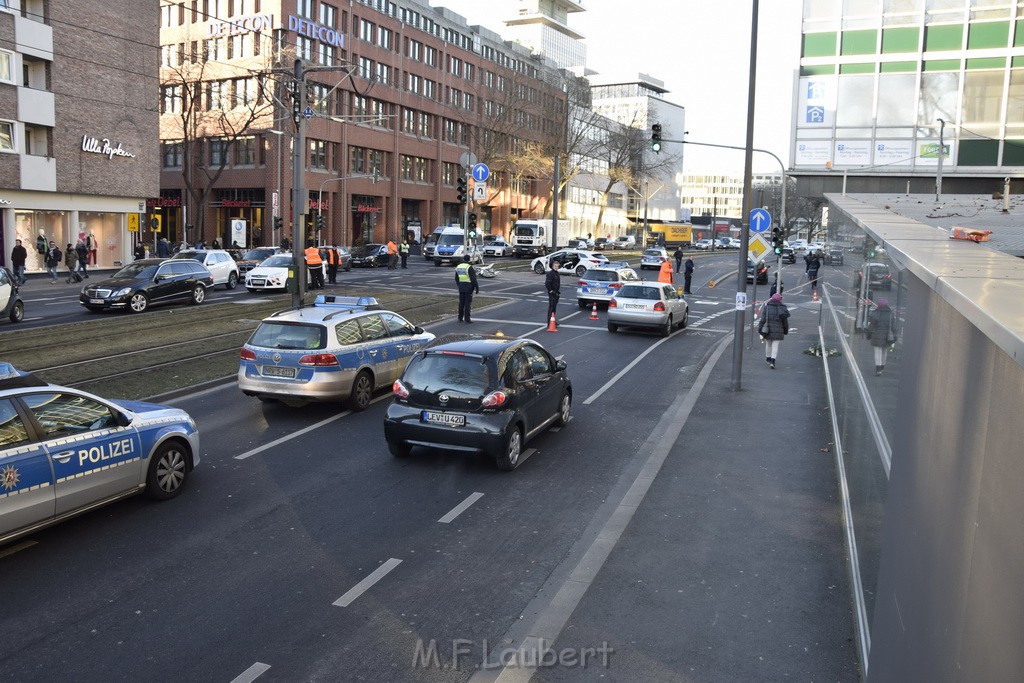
(415, 50)
(304, 8)
(304, 48)
(430, 56)
(366, 68)
(386, 38)
(429, 89)
(245, 151)
(360, 105)
(384, 74)
(408, 121)
(321, 98)
(367, 30)
(378, 111)
(172, 153)
(357, 160)
(215, 96)
(328, 15)
(218, 152)
(7, 136)
(318, 154)
(325, 54)
(170, 99)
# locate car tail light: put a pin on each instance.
(615, 285)
(660, 306)
(581, 283)
(319, 360)
(888, 276)
(612, 304)
(247, 355)
(399, 389)
(452, 353)
(494, 399)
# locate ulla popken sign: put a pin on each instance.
(102, 146)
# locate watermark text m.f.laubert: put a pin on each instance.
(427, 654)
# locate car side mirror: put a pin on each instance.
(418, 329)
(123, 420)
(560, 365)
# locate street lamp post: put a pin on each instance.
(277, 207)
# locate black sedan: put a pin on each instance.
(147, 282)
(482, 394)
(370, 255)
(758, 271)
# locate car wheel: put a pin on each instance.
(539, 269)
(612, 327)
(437, 263)
(266, 399)
(581, 270)
(17, 312)
(232, 281)
(399, 449)
(348, 267)
(666, 329)
(362, 392)
(564, 408)
(139, 302)
(686, 320)
(198, 295)
(581, 303)
(509, 456)
(168, 471)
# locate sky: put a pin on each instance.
(700, 50)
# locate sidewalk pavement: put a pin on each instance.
(733, 566)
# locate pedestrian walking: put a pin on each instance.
(140, 251)
(773, 327)
(775, 285)
(163, 248)
(333, 260)
(71, 261)
(678, 255)
(665, 273)
(881, 333)
(392, 255)
(553, 283)
(403, 251)
(286, 244)
(18, 256)
(813, 261)
(465, 279)
(315, 264)
(52, 261)
(687, 276)
(83, 258)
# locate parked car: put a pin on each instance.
(653, 257)
(573, 261)
(344, 257)
(788, 255)
(648, 304)
(601, 243)
(149, 282)
(798, 246)
(598, 285)
(834, 257)
(486, 395)
(272, 274)
(580, 243)
(370, 256)
(219, 262)
(498, 247)
(65, 451)
(11, 305)
(723, 243)
(253, 257)
(624, 242)
(758, 271)
(703, 245)
(879, 277)
(337, 349)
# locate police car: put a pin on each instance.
(598, 285)
(341, 348)
(64, 451)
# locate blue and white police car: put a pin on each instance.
(341, 348)
(64, 451)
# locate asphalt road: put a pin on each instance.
(303, 551)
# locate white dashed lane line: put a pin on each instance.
(461, 507)
(252, 673)
(367, 583)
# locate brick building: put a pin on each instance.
(78, 123)
(397, 89)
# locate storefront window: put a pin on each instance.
(102, 231)
(36, 229)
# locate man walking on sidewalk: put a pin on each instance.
(553, 283)
(18, 256)
(83, 258)
(53, 257)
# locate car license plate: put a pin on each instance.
(636, 306)
(274, 371)
(96, 301)
(449, 419)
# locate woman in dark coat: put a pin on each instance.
(881, 333)
(774, 326)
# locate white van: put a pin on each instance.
(450, 248)
(431, 242)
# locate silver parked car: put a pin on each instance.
(218, 261)
(648, 304)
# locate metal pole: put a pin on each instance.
(741, 280)
(554, 202)
(942, 153)
(300, 201)
(647, 201)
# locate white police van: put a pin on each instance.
(64, 452)
(451, 248)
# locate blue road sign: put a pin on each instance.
(308, 112)
(760, 220)
(481, 173)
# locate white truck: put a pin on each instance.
(532, 237)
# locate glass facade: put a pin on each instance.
(880, 80)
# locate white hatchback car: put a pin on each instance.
(574, 261)
(219, 262)
(648, 304)
(271, 274)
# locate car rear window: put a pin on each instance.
(273, 335)
(438, 371)
(602, 276)
(640, 292)
(652, 252)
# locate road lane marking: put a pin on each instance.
(304, 430)
(17, 548)
(367, 583)
(461, 507)
(252, 673)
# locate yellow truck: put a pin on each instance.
(672, 234)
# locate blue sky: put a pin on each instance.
(701, 51)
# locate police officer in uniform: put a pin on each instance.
(465, 278)
(315, 265)
(403, 251)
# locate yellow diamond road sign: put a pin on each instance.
(757, 247)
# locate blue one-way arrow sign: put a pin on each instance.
(760, 220)
(481, 173)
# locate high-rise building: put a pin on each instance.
(78, 124)
(543, 27)
(896, 94)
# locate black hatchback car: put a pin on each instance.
(370, 256)
(486, 395)
(147, 282)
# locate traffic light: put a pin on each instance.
(278, 223)
(319, 222)
(463, 190)
(777, 241)
(656, 138)
(472, 225)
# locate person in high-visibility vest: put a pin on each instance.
(665, 274)
(403, 251)
(392, 255)
(333, 261)
(316, 268)
(465, 278)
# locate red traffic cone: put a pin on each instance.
(815, 295)
(552, 325)
(593, 312)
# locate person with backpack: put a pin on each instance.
(71, 261)
(83, 253)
